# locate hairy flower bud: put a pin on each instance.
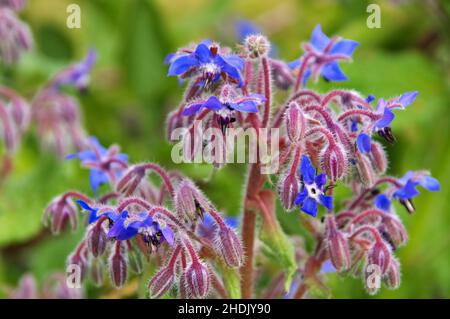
(182, 287)
(96, 271)
(392, 276)
(281, 74)
(337, 245)
(378, 158)
(256, 45)
(79, 258)
(334, 162)
(190, 203)
(393, 231)
(96, 239)
(295, 122)
(26, 289)
(229, 246)
(58, 213)
(118, 266)
(197, 279)
(380, 255)
(365, 170)
(161, 282)
(288, 186)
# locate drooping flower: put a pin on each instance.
(323, 55)
(248, 104)
(106, 165)
(208, 61)
(382, 202)
(410, 182)
(76, 75)
(312, 192)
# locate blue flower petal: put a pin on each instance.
(168, 235)
(321, 180)
(307, 170)
(430, 183)
(182, 64)
(370, 98)
(326, 201)
(294, 64)
(203, 53)
(388, 117)
(213, 103)
(97, 178)
(407, 98)
(363, 142)
(192, 109)
(85, 206)
(319, 40)
(232, 221)
(246, 106)
(383, 202)
(408, 191)
(345, 47)
(300, 198)
(234, 60)
(310, 207)
(245, 28)
(332, 72)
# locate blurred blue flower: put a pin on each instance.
(363, 143)
(103, 163)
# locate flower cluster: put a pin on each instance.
(137, 218)
(15, 36)
(328, 140)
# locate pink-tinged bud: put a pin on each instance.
(392, 277)
(288, 190)
(378, 158)
(393, 231)
(118, 267)
(256, 45)
(372, 278)
(295, 123)
(97, 273)
(190, 203)
(197, 279)
(334, 162)
(96, 239)
(13, 4)
(182, 287)
(15, 37)
(26, 289)
(130, 180)
(174, 120)
(229, 246)
(79, 259)
(161, 282)
(337, 245)
(380, 255)
(365, 170)
(58, 213)
(281, 74)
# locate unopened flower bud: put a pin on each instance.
(161, 282)
(378, 158)
(58, 213)
(392, 277)
(295, 122)
(96, 271)
(281, 75)
(337, 245)
(197, 279)
(26, 289)
(372, 278)
(288, 190)
(96, 239)
(79, 259)
(256, 45)
(365, 170)
(131, 180)
(393, 231)
(229, 246)
(334, 162)
(118, 267)
(190, 203)
(380, 255)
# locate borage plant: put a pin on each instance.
(325, 141)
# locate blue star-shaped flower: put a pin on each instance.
(207, 61)
(312, 192)
(410, 182)
(326, 52)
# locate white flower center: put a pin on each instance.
(313, 191)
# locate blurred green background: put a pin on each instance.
(130, 96)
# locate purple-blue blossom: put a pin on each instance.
(208, 62)
(312, 192)
(323, 55)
